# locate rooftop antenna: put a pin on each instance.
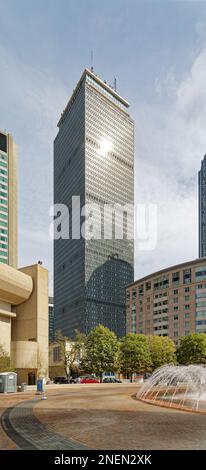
(92, 68)
(115, 84)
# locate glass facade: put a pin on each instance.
(4, 255)
(202, 208)
(93, 158)
(51, 319)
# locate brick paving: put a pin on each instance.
(106, 417)
(100, 416)
(29, 433)
(6, 401)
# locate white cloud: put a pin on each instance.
(35, 236)
(31, 92)
(172, 142)
(31, 101)
(166, 85)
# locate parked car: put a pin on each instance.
(72, 380)
(147, 375)
(111, 380)
(87, 380)
(107, 375)
(61, 380)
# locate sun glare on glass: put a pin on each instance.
(105, 146)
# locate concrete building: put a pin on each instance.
(24, 291)
(8, 200)
(24, 320)
(93, 159)
(170, 302)
(202, 208)
(57, 360)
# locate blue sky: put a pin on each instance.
(157, 51)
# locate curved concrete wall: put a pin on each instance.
(15, 286)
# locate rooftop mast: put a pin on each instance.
(92, 68)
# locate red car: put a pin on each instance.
(88, 380)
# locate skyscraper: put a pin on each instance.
(93, 159)
(202, 208)
(51, 319)
(8, 200)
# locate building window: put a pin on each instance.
(201, 295)
(3, 142)
(175, 278)
(141, 290)
(162, 282)
(200, 304)
(3, 245)
(200, 273)
(187, 276)
(175, 292)
(56, 354)
(187, 289)
(3, 216)
(3, 253)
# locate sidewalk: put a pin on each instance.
(7, 401)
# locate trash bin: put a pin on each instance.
(40, 386)
(23, 387)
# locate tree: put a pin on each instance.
(192, 349)
(101, 351)
(70, 351)
(162, 351)
(4, 360)
(135, 354)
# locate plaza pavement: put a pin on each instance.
(7, 401)
(97, 416)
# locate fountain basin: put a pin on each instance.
(179, 387)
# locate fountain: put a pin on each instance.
(182, 387)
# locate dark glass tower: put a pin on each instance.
(202, 209)
(51, 319)
(93, 159)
